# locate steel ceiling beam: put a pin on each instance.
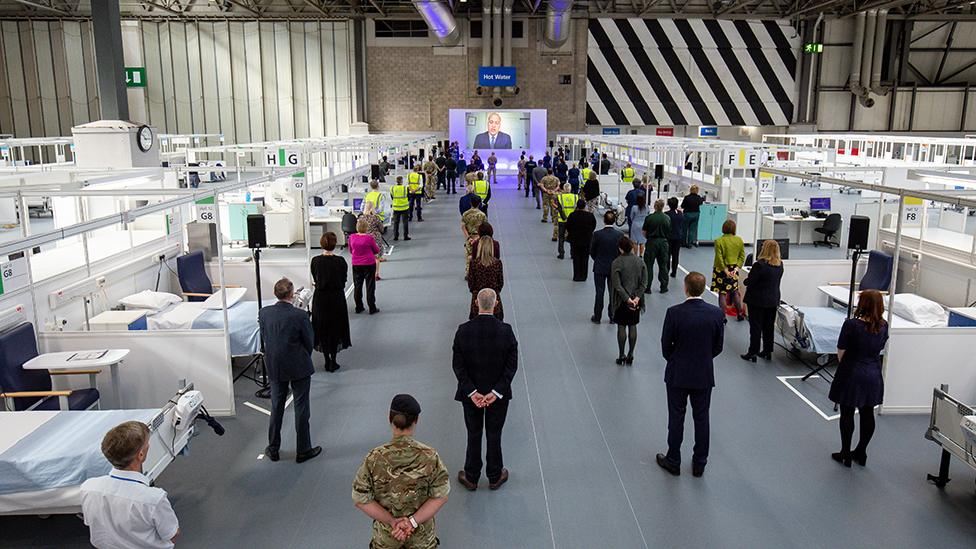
(41, 6)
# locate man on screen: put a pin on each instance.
(493, 138)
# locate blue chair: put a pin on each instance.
(878, 274)
(194, 280)
(31, 389)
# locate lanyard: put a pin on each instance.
(128, 480)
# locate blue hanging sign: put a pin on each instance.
(496, 76)
(611, 131)
(708, 131)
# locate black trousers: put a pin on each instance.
(279, 394)
(600, 281)
(674, 249)
(401, 217)
(677, 404)
(441, 180)
(491, 420)
(581, 260)
(416, 203)
(761, 323)
(560, 245)
(364, 274)
(452, 179)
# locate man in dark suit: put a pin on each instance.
(579, 232)
(494, 138)
(287, 336)
(603, 250)
(693, 335)
(485, 362)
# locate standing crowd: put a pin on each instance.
(402, 484)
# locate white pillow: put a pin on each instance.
(215, 302)
(150, 300)
(920, 310)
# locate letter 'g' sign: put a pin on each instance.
(285, 158)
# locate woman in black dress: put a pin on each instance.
(762, 298)
(858, 383)
(628, 279)
(330, 317)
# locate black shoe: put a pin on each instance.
(539, 208)
(664, 290)
(842, 458)
(766, 356)
(396, 238)
(560, 257)
(463, 480)
(501, 480)
(648, 291)
(620, 361)
(595, 319)
(272, 454)
(860, 458)
(305, 456)
(663, 463)
(629, 360)
(674, 275)
(359, 310)
(406, 238)
(748, 357)
(419, 220)
(373, 311)
(697, 470)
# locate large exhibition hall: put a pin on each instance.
(522, 274)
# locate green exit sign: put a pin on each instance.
(813, 47)
(135, 77)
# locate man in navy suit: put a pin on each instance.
(693, 335)
(288, 342)
(485, 362)
(603, 250)
(494, 138)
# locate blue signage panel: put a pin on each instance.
(708, 131)
(611, 131)
(496, 76)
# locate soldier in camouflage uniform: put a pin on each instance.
(549, 186)
(402, 484)
(430, 170)
(471, 220)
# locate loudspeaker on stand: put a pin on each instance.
(256, 234)
(857, 235)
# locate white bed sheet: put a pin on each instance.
(52, 501)
(17, 425)
(177, 317)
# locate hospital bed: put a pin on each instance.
(946, 428)
(45, 456)
(242, 318)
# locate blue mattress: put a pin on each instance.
(824, 325)
(64, 451)
(245, 337)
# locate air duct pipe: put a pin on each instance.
(867, 54)
(496, 33)
(507, 36)
(486, 33)
(879, 40)
(558, 14)
(856, 61)
(440, 19)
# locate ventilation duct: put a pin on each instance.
(507, 36)
(486, 33)
(856, 75)
(558, 14)
(879, 40)
(867, 49)
(440, 19)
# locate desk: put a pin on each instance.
(797, 228)
(59, 361)
(838, 294)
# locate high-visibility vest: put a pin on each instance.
(627, 175)
(585, 173)
(416, 182)
(481, 189)
(567, 201)
(400, 201)
(373, 197)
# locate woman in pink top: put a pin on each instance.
(363, 249)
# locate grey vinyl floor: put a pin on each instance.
(580, 438)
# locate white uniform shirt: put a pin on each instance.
(122, 511)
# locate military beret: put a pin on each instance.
(405, 404)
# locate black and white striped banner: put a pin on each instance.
(690, 72)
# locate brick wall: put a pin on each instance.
(401, 80)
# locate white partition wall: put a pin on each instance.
(919, 359)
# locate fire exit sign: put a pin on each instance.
(813, 47)
(135, 77)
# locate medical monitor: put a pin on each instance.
(821, 204)
(357, 204)
(779, 211)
